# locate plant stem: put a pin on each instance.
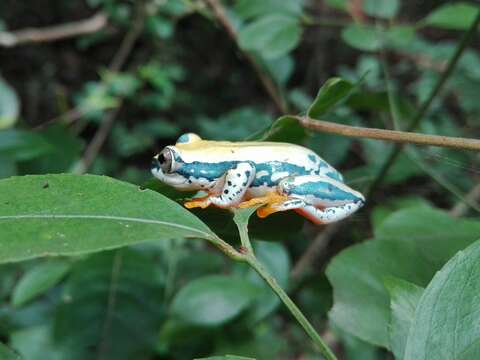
(388, 135)
(294, 310)
(426, 105)
(241, 217)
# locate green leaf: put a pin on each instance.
(235, 125)
(285, 129)
(9, 105)
(226, 357)
(272, 36)
(38, 280)
(8, 354)
(160, 26)
(447, 317)
(399, 36)
(69, 215)
(458, 16)
(280, 69)
(381, 8)
(115, 300)
(213, 300)
(120, 84)
(94, 99)
(23, 145)
(29, 340)
(404, 297)
(337, 4)
(362, 37)
(64, 149)
(333, 91)
(411, 244)
(252, 8)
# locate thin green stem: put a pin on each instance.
(226, 248)
(426, 105)
(240, 218)
(294, 310)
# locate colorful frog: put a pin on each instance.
(279, 176)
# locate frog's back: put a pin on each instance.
(265, 155)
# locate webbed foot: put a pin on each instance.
(284, 205)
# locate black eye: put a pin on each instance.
(165, 159)
(161, 158)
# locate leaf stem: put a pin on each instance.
(292, 307)
(241, 217)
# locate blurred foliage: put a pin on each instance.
(398, 293)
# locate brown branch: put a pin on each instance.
(53, 33)
(268, 84)
(318, 244)
(403, 137)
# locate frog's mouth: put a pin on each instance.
(173, 179)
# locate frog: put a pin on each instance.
(272, 176)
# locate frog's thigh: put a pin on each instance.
(330, 214)
(237, 181)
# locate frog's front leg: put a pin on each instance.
(236, 182)
(321, 199)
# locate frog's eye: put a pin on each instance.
(166, 160)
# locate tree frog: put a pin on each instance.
(280, 176)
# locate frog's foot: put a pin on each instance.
(269, 199)
(202, 202)
(263, 212)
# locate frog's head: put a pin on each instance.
(165, 165)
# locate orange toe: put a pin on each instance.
(265, 211)
(200, 202)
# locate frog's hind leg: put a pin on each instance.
(330, 214)
(321, 199)
(271, 208)
(236, 182)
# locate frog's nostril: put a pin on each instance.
(155, 165)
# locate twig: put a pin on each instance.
(97, 141)
(117, 63)
(426, 105)
(53, 33)
(462, 207)
(268, 84)
(318, 244)
(389, 135)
